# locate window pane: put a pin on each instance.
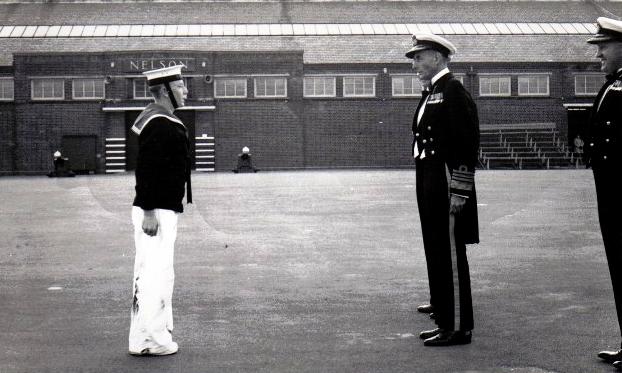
(406, 86)
(260, 87)
(219, 88)
(318, 86)
(495, 86)
(544, 85)
(369, 85)
(588, 84)
(330, 86)
(580, 84)
(593, 83)
(99, 89)
(358, 86)
(533, 85)
(348, 86)
(270, 87)
(399, 86)
(88, 88)
(230, 88)
(58, 88)
(140, 89)
(240, 88)
(280, 87)
(48, 88)
(504, 86)
(6, 89)
(36, 90)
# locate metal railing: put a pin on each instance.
(530, 141)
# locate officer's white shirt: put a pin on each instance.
(434, 79)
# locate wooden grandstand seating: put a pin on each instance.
(524, 146)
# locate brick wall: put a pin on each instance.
(41, 127)
(272, 130)
(357, 133)
(7, 138)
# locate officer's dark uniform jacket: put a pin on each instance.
(163, 165)
(603, 152)
(449, 132)
(602, 146)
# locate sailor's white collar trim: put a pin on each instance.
(148, 120)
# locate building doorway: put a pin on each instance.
(81, 152)
(131, 140)
(578, 118)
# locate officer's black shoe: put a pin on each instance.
(610, 356)
(425, 308)
(617, 365)
(430, 333)
(449, 338)
(433, 316)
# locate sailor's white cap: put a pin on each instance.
(167, 74)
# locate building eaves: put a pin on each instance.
(365, 12)
(307, 29)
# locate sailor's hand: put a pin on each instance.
(456, 204)
(150, 223)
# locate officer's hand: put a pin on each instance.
(150, 223)
(456, 204)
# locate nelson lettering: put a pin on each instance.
(152, 64)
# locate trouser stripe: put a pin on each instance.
(454, 256)
(454, 270)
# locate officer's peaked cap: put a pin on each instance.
(608, 30)
(431, 41)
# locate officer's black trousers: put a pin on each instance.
(610, 216)
(448, 268)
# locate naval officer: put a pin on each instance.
(445, 148)
(603, 154)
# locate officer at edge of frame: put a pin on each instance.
(603, 155)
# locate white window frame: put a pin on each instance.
(147, 96)
(267, 79)
(354, 77)
(405, 76)
(94, 81)
(507, 78)
(323, 80)
(33, 81)
(220, 80)
(3, 81)
(532, 94)
(585, 76)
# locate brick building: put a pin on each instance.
(302, 84)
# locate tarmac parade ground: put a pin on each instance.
(304, 271)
